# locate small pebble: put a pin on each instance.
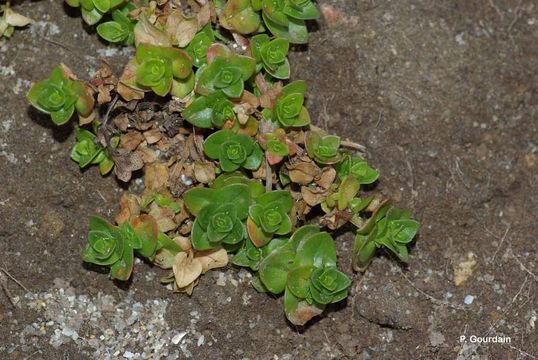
(176, 339)
(469, 299)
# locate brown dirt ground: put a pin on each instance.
(445, 96)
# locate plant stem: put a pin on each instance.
(268, 176)
(344, 143)
(353, 145)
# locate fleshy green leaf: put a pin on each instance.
(299, 281)
(316, 250)
(274, 269)
(195, 199)
(113, 31)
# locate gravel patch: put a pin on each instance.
(105, 327)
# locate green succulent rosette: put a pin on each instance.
(328, 285)
(269, 216)
(277, 147)
(60, 96)
(94, 10)
(110, 246)
(226, 72)
(286, 18)
(288, 110)
(198, 46)
(388, 227)
(114, 246)
(216, 225)
(239, 16)
(255, 188)
(271, 55)
(220, 215)
(323, 149)
(209, 111)
(164, 70)
(305, 270)
(356, 167)
(105, 243)
(120, 30)
(87, 152)
(233, 150)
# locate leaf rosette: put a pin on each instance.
(305, 270)
(277, 146)
(271, 55)
(164, 70)
(60, 96)
(209, 111)
(94, 10)
(105, 243)
(233, 150)
(356, 167)
(288, 110)
(87, 152)
(239, 16)
(220, 215)
(388, 227)
(120, 30)
(323, 149)
(114, 246)
(328, 285)
(269, 216)
(286, 18)
(198, 46)
(224, 72)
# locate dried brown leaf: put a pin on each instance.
(260, 173)
(145, 32)
(164, 217)
(302, 209)
(204, 172)
(153, 135)
(131, 140)
(184, 242)
(303, 171)
(129, 206)
(336, 219)
(204, 15)
(313, 195)
(303, 313)
(155, 177)
(268, 97)
(326, 177)
(181, 28)
(15, 19)
(147, 154)
(103, 93)
(212, 259)
(186, 269)
(464, 269)
(121, 122)
(186, 228)
(68, 73)
(129, 93)
(84, 120)
(126, 163)
(182, 215)
(127, 83)
(243, 111)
